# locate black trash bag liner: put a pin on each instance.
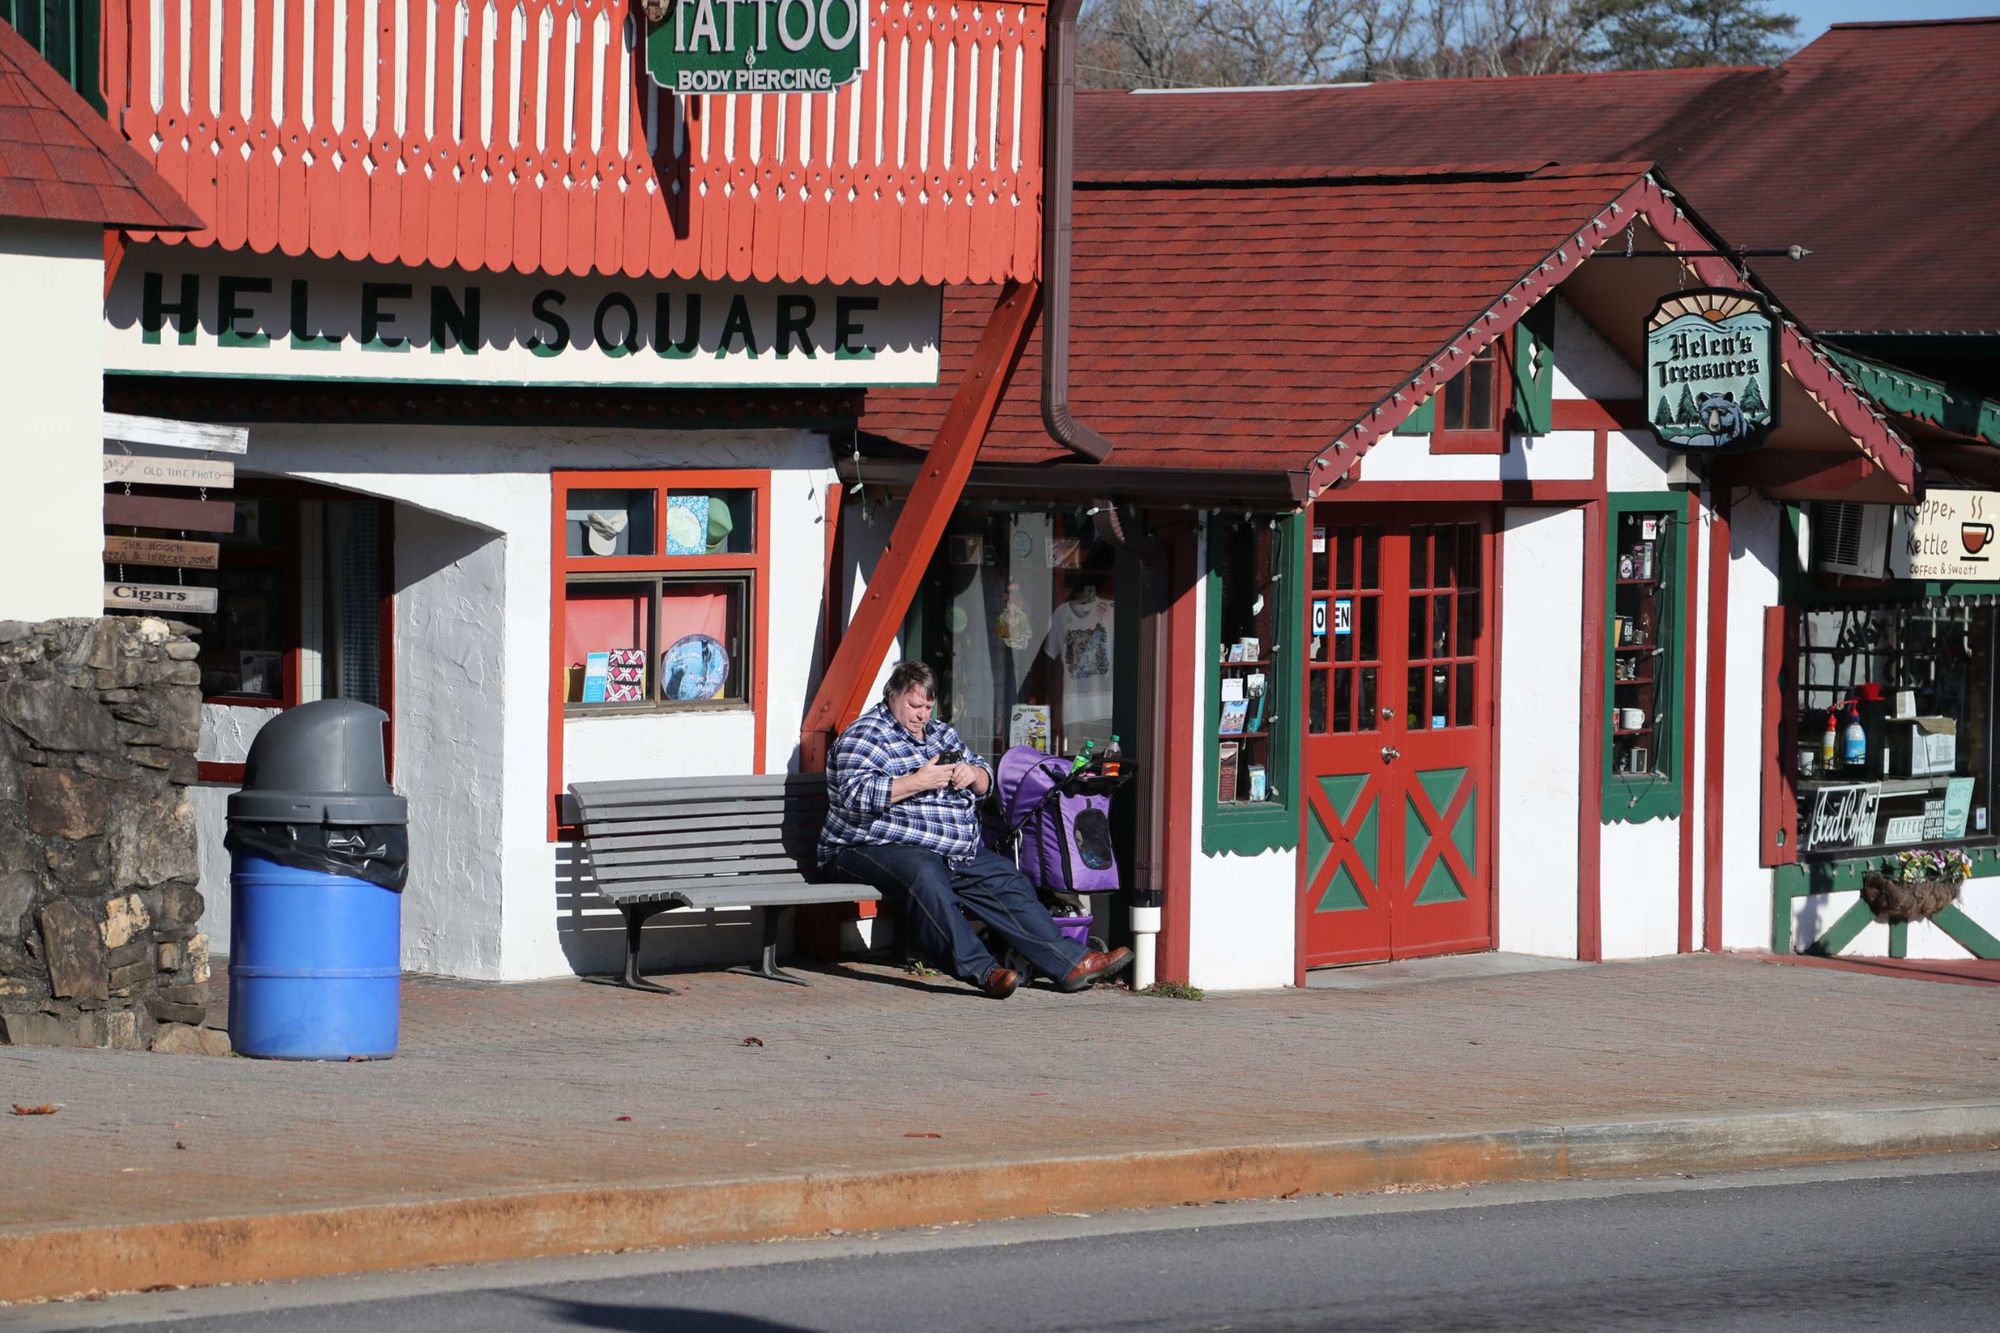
(378, 853)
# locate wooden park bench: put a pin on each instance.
(700, 843)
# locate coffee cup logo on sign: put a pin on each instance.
(1974, 536)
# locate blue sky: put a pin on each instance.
(1815, 16)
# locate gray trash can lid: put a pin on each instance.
(319, 763)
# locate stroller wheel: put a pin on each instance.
(1096, 944)
(1014, 960)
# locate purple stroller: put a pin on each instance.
(1058, 826)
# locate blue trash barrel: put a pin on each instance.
(319, 851)
(315, 963)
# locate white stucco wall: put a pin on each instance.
(1755, 529)
(1564, 455)
(1541, 666)
(1640, 889)
(451, 678)
(472, 651)
(52, 392)
(1242, 910)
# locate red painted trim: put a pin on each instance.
(1515, 492)
(833, 607)
(385, 669)
(1691, 573)
(1491, 442)
(850, 673)
(1597, 414)
(1590, 762)
(1496, 599)
(661, 481)
(226, 774)
(1716, 719)
(1644, 199)
(1183, 703)
(1778, 834)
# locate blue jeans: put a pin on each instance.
(934, 895)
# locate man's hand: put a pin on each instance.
(963, 776)
(935, 775)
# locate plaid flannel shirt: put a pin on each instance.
(873, 753)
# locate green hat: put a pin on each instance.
(720, 524)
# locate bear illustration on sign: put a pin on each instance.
(1721, 421)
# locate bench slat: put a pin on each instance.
(799, 841)
(705, 821)
(736, 891)
(608, 865)
(594, 796)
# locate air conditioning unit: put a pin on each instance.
(1849, 538)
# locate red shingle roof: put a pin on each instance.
(1246, 326)
(62, 162)
(1877, 147)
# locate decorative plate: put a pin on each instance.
(694, 667)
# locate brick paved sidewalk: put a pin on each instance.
(519, 1087)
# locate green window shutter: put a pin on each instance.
(1419, 421)
(1534, 367)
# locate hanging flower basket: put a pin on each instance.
(1915, 886)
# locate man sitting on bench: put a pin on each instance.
(902, 797)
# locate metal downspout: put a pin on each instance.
(1059, 157)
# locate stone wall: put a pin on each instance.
(98, 904)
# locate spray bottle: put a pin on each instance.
(1829, 744)
(1854, 741)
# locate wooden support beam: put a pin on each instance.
(898, 574)
(1786, 474)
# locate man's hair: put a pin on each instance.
(908, 676)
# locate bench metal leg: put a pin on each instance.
(769, 918)
(636, 915)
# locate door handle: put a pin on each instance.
(1390, 752)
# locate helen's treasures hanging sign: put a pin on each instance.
(1711, 366)
(757, 46)
(1949, 537)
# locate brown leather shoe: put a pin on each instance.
(1093, 969)
(1001, 982)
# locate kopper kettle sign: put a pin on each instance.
(1949, 537)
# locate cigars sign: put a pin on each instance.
(177, 310)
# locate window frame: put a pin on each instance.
(753, 565)
(1481, 440)
(293, 494)
(1249, 828)
(1657, 794)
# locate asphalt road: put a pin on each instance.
(1917, 1248)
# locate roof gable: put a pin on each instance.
(62, 162)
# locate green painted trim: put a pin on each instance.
(1843, 932)
(1230, 826)
(1926, 399)
(1637, 800)
(72, 49)
(1534, 368)
(1899, 939)
(1420, 421)
(1967, 933)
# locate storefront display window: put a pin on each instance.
(1253, 567)
(658, 577)
(302, 586)
(1894, 730)
(1645, 674)
(1025, 639)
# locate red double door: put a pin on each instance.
(1398, 754)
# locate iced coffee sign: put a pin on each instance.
(1949, 537)
(756, 46)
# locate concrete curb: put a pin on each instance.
(70, 1261)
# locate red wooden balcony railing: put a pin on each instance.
(526, 135)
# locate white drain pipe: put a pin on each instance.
(1145, 933)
